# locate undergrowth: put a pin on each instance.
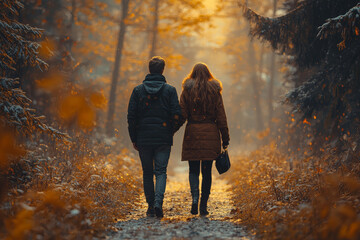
(313, 200)
(68, 191)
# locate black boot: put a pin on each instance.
(194, 187)
(195, 204)
(194, 208)
(203, 205)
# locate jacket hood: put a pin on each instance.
(153, 83)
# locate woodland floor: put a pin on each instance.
(178, 223)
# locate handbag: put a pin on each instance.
(223, 162)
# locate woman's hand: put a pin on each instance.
(225, 145)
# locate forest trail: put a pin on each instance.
(178, 223)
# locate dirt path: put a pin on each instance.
(178, 223)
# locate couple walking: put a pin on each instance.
(154, 115)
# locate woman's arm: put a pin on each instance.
(175, 110)
(221, 121)
(184, 108)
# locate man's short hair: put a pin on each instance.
(156, 65)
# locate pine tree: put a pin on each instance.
(321, 38)
(18, 49)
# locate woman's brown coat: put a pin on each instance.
(202, 133)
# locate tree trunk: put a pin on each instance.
(71, 40)
(155, 29)
(271, 89)
(117, 67)
(255, 84)
(272, 80)
(254, 81)
(72, 23)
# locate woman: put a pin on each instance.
(202, 106)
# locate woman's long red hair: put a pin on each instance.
(202, 92)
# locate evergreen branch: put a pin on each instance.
(11, 5)
(278, 31)
(347, 24)
(20, 29)
(14, 106)
(296, 32)
(19, 48)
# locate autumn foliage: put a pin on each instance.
(67, 195)
(62, 177)
(55, 184)
(306, 186)
(310, 201)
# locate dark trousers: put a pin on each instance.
(154, 160)
(194, 173)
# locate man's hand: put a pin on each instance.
(135, 147)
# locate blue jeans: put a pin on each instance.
(154, 160)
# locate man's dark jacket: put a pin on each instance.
(154, 112)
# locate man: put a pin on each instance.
(153, 118)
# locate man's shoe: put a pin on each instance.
(194, 209)
(159, 212)
(150, 212)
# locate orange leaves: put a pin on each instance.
(263, 134)
(341, 46)
(47, 48)
(52, 198)
(284, 69)
(8, 148)
(86, 117)
(80, 108)
(342, 223)
(74, 108)
(106, 182)
(352, 184)
(305, 202)
(102, 5)
(125, 151)
(81, 206)
(52, 82)
(71, 105)
(20, 225)
(98, 100)
(291, 45)
(357, 32)
(351, 231)
(306, 122)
